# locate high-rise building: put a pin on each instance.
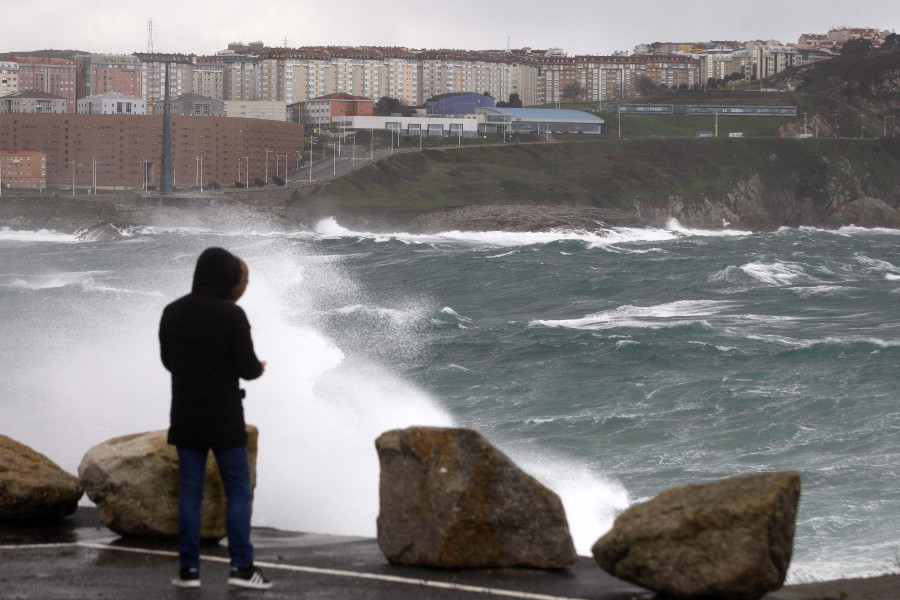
(9, 78)
(112, 73)
(56, 76)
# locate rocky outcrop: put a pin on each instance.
(523, 218)
(134, 482)
(32, 487)
(731, 539)
(449, 499)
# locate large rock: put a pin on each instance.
(134, 482)
(450, 499)
(729, 539)
(32, 487)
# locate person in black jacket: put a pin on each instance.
(205, 343)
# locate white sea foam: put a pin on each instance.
(594, 239)
(449, 311)
(397, 316)
(778, 273)
(43, 235)
(826, 341)
(671, 314)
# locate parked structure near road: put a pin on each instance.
(538, 120)
(452, 127)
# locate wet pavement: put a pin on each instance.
(81, 558)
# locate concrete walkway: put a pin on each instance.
(82, 559)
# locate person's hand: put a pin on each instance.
(263, 363)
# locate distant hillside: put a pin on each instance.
(751, 183)
(67, 54)
(869, 81)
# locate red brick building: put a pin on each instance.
(324, 110)
(23, 169)
(122, 149)
(55, 76)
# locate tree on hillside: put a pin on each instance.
(645, 86)
(386, 106)
(573, 91)
(856, 46)
(891, 41)
(514, 101)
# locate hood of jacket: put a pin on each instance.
(217, 272)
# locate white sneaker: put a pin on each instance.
(250, 578)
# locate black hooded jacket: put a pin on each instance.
(205, 343)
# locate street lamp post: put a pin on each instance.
(95, 163)
(72, 162)
(201, 174)
(310, 158)
(247, 158)
(619, 111)
(267, 164)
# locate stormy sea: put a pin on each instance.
(610, 365)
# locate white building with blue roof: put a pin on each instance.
(537, 120)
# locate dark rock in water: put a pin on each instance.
(32, 487)
(134, 482)
(731, 539)
(449, 499)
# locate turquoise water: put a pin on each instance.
(612, 367)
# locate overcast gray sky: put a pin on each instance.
(576, 26)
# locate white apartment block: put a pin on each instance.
(112, 103)
(9, 78)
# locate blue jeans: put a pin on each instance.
(235, 473)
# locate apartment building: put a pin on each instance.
(602, 78)
(111, 73)
(769, 58)
(56, 76)
(239, 75)
(209, 78)
(33, 102)
(458, 71)
(112, 103)
(155, 66)
(126, 152)
(9, 78)
(23, 169)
